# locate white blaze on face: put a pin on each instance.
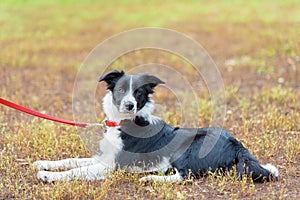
(128, 103)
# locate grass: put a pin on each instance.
(256, 49)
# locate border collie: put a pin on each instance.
(137, 141)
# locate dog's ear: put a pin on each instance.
(111, 78)
(151, 81)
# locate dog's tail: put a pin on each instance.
(248, 164)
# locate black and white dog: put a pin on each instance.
(137, 141)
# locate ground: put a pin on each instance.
(255, 45)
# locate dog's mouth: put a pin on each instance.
(129, 112)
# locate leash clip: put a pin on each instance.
(104, 125)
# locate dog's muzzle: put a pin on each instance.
(128, 107)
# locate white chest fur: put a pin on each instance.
(110, 147)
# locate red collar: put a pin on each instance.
(110, 123)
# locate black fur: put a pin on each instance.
(226, 153)
(142, 95)
(111, 78)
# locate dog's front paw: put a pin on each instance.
(41, 165)
(45, 176)
(145, 179)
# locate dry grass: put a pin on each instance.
(255, 47)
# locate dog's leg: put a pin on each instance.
(70, 163)
(93, 172)
(172, 178)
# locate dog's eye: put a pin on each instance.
(121, 90)
(138, 93)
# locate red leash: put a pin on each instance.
(41, 115)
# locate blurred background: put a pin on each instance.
(255, 45)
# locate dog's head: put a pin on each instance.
(130, 93)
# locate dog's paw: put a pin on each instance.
(145, 179)
(41, 165)
(46, 176)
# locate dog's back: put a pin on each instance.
(189, 150)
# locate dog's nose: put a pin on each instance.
(129, 105)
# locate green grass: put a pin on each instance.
(255, 44)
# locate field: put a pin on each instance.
(255, 45)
